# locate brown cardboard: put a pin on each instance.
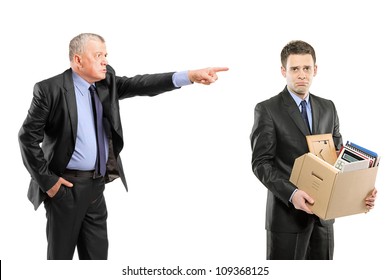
(335, 193)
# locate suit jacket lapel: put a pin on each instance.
(111, 112)
(104, 97)
(70, 98)
(294, 112)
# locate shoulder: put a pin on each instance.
(55, 80)
(53, 86)
(320, 101)
(110, 70)
(110, 76)
(273, 102)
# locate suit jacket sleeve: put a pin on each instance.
(31, 136)
(272, 173)
(139, 85)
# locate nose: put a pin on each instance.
(301, 74)
(104, 61)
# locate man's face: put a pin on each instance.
(299, 73)
(92, 63)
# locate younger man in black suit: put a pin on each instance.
(278, 137)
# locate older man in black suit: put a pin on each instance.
(71, 140)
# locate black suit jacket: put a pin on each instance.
(278, 137)
(48, 135)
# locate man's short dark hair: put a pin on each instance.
(296, 47)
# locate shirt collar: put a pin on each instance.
(298, 100)
(81, 84)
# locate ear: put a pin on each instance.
(315, 70)
(77, 60)
(283, 71)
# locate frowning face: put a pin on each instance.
(299, 73)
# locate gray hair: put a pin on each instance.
(77, 44)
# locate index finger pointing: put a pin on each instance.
(219, 69)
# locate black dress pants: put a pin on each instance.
(77, 217)
(315, 243)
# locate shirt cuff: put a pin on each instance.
(292, 195)
(180, 79)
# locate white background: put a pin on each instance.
(193, 200)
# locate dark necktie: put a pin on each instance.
(304, 114)
(98, 118)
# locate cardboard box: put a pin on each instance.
(336, 193)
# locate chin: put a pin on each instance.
(301, 91)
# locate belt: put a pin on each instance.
(81, 173)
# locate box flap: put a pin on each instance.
(316, 179)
